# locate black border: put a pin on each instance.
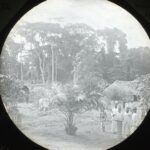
(11, 138)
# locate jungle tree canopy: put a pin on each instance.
(53, 52)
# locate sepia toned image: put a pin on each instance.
(75, 75)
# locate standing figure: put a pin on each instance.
(25, 91)
(114, 122)
(103, 120)
(126, 125)
(135, 120)
(108, 120)
(119, 119)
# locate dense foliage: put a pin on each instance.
(76, 66)
(50, 52)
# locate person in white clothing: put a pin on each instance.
(126, 125)
(114, 122)
(135, 120)
(119, 119)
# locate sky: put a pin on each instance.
(95, 13)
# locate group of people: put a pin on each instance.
(123, 120)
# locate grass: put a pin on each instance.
(47, 129)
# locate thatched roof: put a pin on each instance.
(125, 90)
(120, 90)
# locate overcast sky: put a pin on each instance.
(96, 13)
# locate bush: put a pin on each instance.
(69, 107)
(15, 90)
(37, 93)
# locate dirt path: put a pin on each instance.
(47, 129)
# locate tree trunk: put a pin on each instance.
(56, 68)
(53, 70)
(75, 75)
(128, 73)
(21, 71)
(70, 128)
(42, 71)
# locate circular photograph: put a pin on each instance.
(75, 75)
